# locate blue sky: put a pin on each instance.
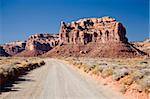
(21, 18)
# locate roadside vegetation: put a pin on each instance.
(127, 72)
(13, 67)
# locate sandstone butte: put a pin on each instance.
(89, 37)
(39, 44)
(94, 37)
(13, 48)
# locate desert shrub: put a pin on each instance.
(96, 70)
(103, 64)
(80, 65)
(2, 73)
(123, 89)
(120, 73)
(22, 64)
(84, 65)
(1, 70)
(93, 67)
(127, 80)
(137, 74)
(11, 68)
(16, 70)
(106, 72)
(73, 63)
(143, 62)
(6, 70)
(88, 67)
(102, 67)
(42, 63)
(16, 63)
(145, 83)
(146, 71)
(34, 65)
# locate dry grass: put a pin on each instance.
(12, 67)
(125, 71)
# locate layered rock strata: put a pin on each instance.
(94, 37)
(103, 30)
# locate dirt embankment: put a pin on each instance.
(11, 68)
(128, 76)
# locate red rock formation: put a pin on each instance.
(3, 52)
(143, 46)
(94, 37)
(101, 30)
(38, 44)
(42, 42)
(147, 40)
(91, 37)
(35, 45)
(13, 48)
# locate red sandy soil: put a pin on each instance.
(28, 53)
(95, 50)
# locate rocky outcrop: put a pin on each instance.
(103, 30)
(2, 52)
(35, 45)
(143, 46)
(14, 47)
(147, 40)
(38, 44)
(90, 37)
(94, 37)
(43, 42)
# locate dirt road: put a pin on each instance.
(56, 80)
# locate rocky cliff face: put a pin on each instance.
(3, 52)
(43, 42)
(102, 30)
(143, 46)
(147, 40)
(38, 44)
(35, 45)
(14, 47)
(94, 37)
